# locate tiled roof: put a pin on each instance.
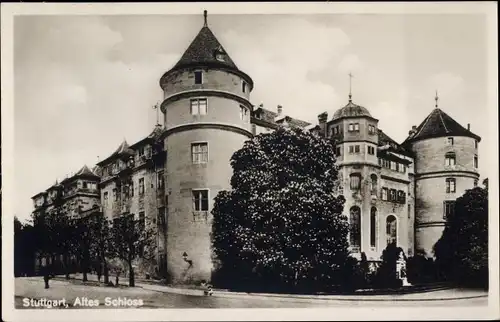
(439, 124)
(271, 117)
(123, 149)
(203, 50)
(85, 172)
(155, 135)
(351, 110)
(385, 140)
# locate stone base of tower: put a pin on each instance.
(426, 237)
(189, 259)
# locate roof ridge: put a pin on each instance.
(442, 121)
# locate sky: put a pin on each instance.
(83, 84)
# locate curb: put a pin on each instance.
(300, 298)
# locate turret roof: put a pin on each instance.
(439, 124)
(351, 110)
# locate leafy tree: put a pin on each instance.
(386, 274)
(281, 225)
(132, 239)
(24, 248)
(101, 243)
(62, 236)
(462, 251)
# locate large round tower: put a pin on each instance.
(207, 118)
(446, 164)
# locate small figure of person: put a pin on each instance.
(46, 274)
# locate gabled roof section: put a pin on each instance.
(154, 136)
(86, 172)
(385, 141)
(123, 149)
(269, 118)
(439, 124)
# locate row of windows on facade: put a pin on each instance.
(352, 127)
(199, 79)
(128, 190)
(386, 193)
(199, 106)
(78, 185)
(450, 159)
(356, 149)
(355, 227)
(141, 153)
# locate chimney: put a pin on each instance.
(468, 126)
(322, 118)
(414, 128)
(280, 110)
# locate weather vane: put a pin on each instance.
(350, 87)
(157, 107)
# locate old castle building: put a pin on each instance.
(394, 192)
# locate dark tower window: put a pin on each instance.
(355, 228)
(338, 150)
(450, 185)
(449, 208)
(450, 141)
(391, 229)
(373, 227)
(475, 161)
(243, 86)
(198, 77)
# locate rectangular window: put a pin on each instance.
(409, 211)
(131, 188)
(356, 148)
(338, 151)
(141, 151)
(351, 127)
(161, 182)
(449, 208)
(243, 86)
(199, 106)
(199, 152)
(450, 141)
(351, 149)
(356, 126)
(141, 186)
(384, 194)
(200, 200)
(371, 150)
(401, 196)
(244, 113)
(161, 220)
(355, 181)
(450, 159)
(393, 195)
(115, 195)
(105, 197)
(475, 144)
(371, 129)
(450, 185)
(198, 77)
(336, 130)
(475, 161)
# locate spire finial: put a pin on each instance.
(205, 17)
(350, 87)
(436, 98)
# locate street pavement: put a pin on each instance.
(157, 296)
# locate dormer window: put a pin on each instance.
(450, 141)
(220, 55)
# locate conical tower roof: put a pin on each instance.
(122, 150)
(85, 171)
(439, 124)
(206, 51)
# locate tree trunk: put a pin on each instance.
(106, 272)
(85, 269)
(131, 278)
(66, 265)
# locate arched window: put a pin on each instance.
(373, 227)
(450, 158)
(391, 229)
(355, 228)
(373, 186)
(355, 181)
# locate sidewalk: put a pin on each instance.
(438, 295)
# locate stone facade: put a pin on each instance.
(394, 192)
